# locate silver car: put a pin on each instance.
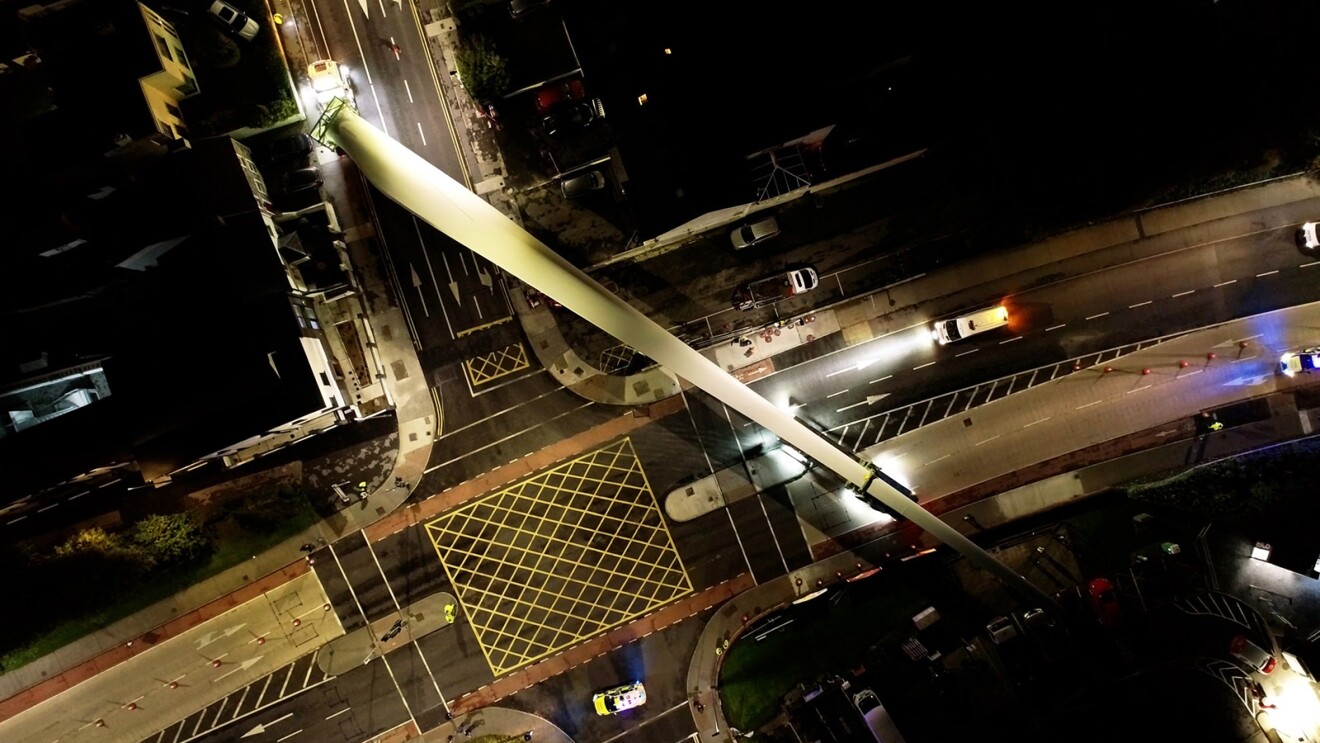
(233, 20)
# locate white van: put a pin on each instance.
(948, 331)
(882, 727)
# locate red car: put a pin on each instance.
(550, 96)
(1104, 602)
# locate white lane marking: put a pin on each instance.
(1308, 265)
(933, 461)
(1224, 283)
(1190, 373)
(964, 353)
(43, 509)
(986, 441)
(1010, 340)
(841, 371)
(835, 394)
(340, 712)
(850, 407)
(1102, 314)
(1183, 294)
(1267, 273)
(881, 379)
(923, 366)
(421, 133)
(290, 735)
(1042, 420)
(1140, 304)
(1138, 389)
(408, 89)
(1087, 405)
(1056, 327)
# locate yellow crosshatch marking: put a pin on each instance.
(496, 364)
(560, 557)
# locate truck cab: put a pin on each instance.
(771, 289)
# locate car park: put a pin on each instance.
(568, 118)
(283, 149)
(1305, 361)
(233, 20)
(619, 699)
(1251, 654)
(747, 235)
(302, 179)
(580, 185)
(1308, 237)
(1104, 602)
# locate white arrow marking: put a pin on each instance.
(417, 284)
(211, 637)
(453, 285)
(1169, 432)
(241, 667)
(261, 728)
(873, 399)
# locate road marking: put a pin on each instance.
(15, 521)
(1010, 340)
(1138, 389)
(1102, 314)
(1140, 304)
(933, 461)
(1224, 283)
(1308, 265)
(1267, 273)
(290, 735)
(340, 712)
(923, 366)
(43, 509)
(964, 353)
(1042, 420)
(1190, 373)
(986, 441)
(841, 371)
(1087, 405)
(1056, 327)
(881, 379)
(835, 394)
(1183, 294)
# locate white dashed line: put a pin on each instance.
(340, 712)
(1225, 283)
(986, 441)
(1102, 314)
(1056, 327)
(881, 379)
(1087, 405)
(841, 371)
(923, 366)
(1267, 273)
(1042, 420)
(1010, 340)
(1140, 304)
(47, 508)
(964, 353)
(933, 461)
(835, 394)
(1190, 373)
(1308, 265)
(1137, 389)
(1183, 294)
(15, 521)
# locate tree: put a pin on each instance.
(170, 538)
(481, 69)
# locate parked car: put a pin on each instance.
(1104, 602)
(568, 118)
(552, 95)
(747, 235)
(233, 20)
(302, 179)
(283, 149)
(1251, 654)
(583, 184)
(1307, 236)
(1001, 630)
(523, 8)
(620, 698)
(1306, 361)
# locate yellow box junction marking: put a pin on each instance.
(558, 558)
(496, 364)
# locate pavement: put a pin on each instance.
(1131, 238)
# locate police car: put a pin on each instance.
(1306, 360)
(620, 698)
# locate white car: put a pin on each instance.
(1307, 237)
(752, 233)
(233, 20)
(948, 331)
(328, 81)
(1307, 360)
(620, 698)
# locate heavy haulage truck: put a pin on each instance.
(771, 289)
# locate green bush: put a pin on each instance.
(171, 539)
(483, 72)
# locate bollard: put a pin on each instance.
(100, 723)
(1108, 369)
(1182, 363)
(1242, 344)
(1144, 372)
(1077, 366)
(745, 618)
(130, 706)
(820, 582)
(1210, 356)
(261, 641)
(798, 580)
(326, 607)
(174, 684)
(216, 663)
(297, 622)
